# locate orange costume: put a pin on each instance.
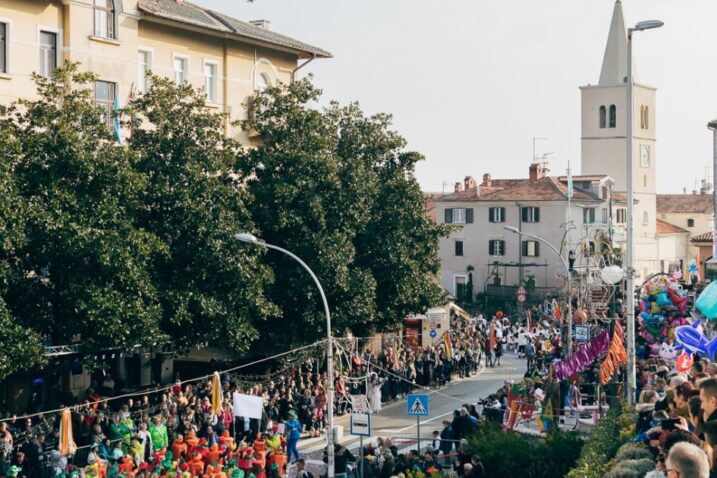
(179, 447)
(196, 465)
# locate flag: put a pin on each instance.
(448, 348)
(67, 443)
(570, 184)
(216, 393)
(546, 417)
(116, 120)
(556, 310)
(130, 97)
(493, 342)
(527, 314)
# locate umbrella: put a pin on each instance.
(67, 443)
(216, 393)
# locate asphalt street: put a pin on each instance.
(393, 421)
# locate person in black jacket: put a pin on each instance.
(388, 465)
(446, 445)
(462, 424)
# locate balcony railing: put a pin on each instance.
(511, 292)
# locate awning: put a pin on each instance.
(459, 311)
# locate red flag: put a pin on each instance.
(556, 311)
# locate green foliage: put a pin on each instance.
(601, 446)
(338, 189)
(78, 268)
(210, 286)
(632, 451)
(516, 454)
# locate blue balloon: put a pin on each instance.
(695, 340)
(663, 300)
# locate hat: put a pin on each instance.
(292, 413)
(662, 369)
(13, 470)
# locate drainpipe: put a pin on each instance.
(293, 72)
(520, 258)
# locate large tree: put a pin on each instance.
(79, 270)
(338, 188)
(210, 286)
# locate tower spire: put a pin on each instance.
(614, 63)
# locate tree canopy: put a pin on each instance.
(107, 245)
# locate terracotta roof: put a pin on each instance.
(664, 227)
(543, 189)
(586, 177)
(189, 13)
(704, 237)
(685, 203)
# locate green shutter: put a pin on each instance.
(448, 217)
(469, 215)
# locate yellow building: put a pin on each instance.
(121, 40)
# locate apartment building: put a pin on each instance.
(122, 40)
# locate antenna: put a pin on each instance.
(535, 158)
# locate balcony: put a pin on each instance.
(535, 294)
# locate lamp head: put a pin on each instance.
(512, 229)
(648, 25)
(246, 237)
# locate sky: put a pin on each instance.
(470, 82)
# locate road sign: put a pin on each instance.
(417, 405)
(361, 424)
(432, 333)
(521, 294)
(582, 333)
(433, 325)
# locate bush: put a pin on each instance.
(600, 447)
(516, 454)
(632, 451)
(623, 473)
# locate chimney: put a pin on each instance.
(537, 171)
(469, 182)
(263, 24)
(486, 181)
(457, 187)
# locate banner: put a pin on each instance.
(247, 406)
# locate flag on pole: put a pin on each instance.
(546, 417)
(556, 310)
(116, 120)
(216, 393)
(493, 341)
(67, 443)
(448, 348)
(528, 315)
(570, 184)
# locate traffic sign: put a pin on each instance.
(582, 333)
(522, 294)
(361, 424)
(433, 325)
(432, 333)
(417, 405)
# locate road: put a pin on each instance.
(393, 420)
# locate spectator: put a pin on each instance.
(686, 460)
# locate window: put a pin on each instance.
(530, 214)
(180, 67)
(642, 116)
(613, 116)
(531, 248)
(262, 82)
(621, 216)
(645, 155)
(496, 214)
(645, 219)
(459, 248)
(605, 215)
(104, 18)
(603, 116)
(48, 53)
(589, 215)
(144, 63)
(460, 287)
(690, 223)
(458, 216)
(496, 247)
(105, 99)
(3, 47)
(647, 117)
(210, 81)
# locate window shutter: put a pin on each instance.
(502, 247)
(524, 249)
(537, 248)
(524, 214)
(448, 216)
(536, 218)
(469, 215)
(491, 214)
(502, 214)
(490, 248)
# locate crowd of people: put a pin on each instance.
(175, 430)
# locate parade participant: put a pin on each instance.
(294, 429)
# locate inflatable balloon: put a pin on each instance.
(663, 300)
(694, 340)
(693, 266)
(499, 314)
(667, 352)
(707, 301)
(684, 362)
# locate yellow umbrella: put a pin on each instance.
(216, 393)
(67, 443)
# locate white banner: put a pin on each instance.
(247, 406)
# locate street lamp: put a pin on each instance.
(711, 264)
(629, 247)
(251, 239)
(569, 342)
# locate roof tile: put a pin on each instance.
(685, 203)
(544, 189)
(664, 227)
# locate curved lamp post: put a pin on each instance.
(251, 239)
(569, 342)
